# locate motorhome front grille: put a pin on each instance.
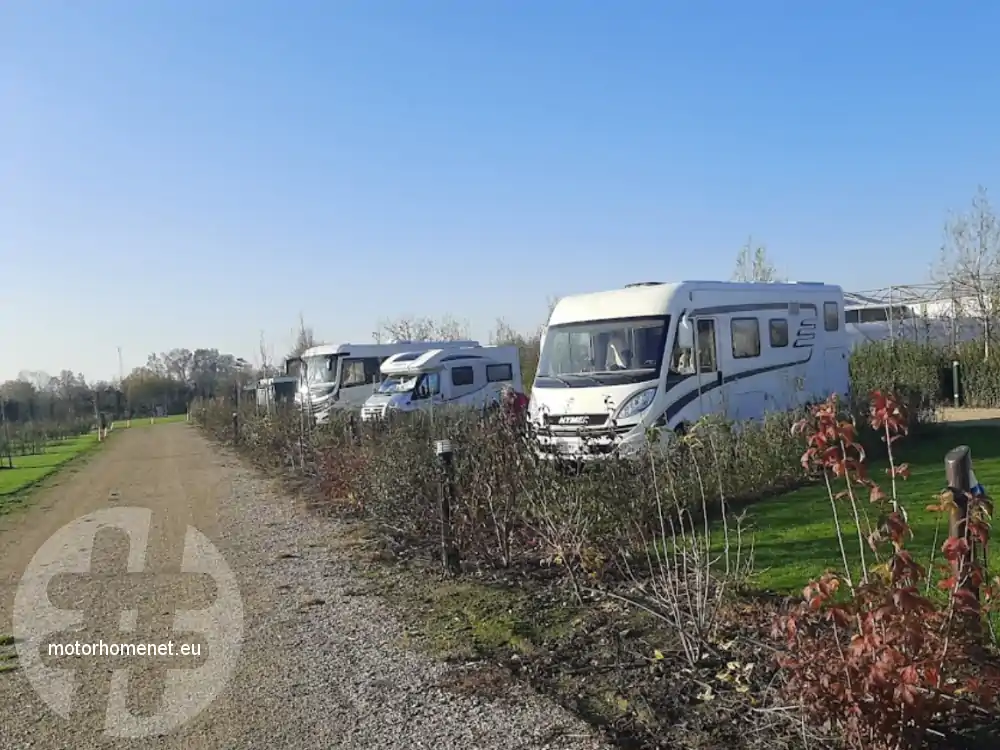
(576, 421)
(372, 412)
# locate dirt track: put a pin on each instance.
(320, 664)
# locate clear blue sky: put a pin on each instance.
(180, 173)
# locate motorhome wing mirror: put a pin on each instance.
(685, 334)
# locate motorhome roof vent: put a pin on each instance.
(643, 283)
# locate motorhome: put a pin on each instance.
(616, 363)
(271, 392)
(472, 377)
(342, 376)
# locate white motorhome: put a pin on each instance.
(334, 377)
(472, 376)
(274, 391)
(615, 363)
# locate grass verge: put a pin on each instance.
(611, 665)
(30, 471)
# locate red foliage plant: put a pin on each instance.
(879, 661)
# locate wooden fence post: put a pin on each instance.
(446, 491)
(958, 474)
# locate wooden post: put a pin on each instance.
(446, 491)
(958, 471)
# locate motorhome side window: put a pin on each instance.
(462, 376)
(359, 372)
(746, 337)
(778, 331)
(831, 316)
(499, 373)
(428, 386)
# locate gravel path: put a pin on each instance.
(320, 666)
(968, 416)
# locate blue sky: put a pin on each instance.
(180, 173)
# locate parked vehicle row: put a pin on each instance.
(612, 364)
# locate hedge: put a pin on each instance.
(510, 506)
(922, 373)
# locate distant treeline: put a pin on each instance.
(168, 381)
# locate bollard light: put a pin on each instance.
(443, 449)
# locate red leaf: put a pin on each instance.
(955, 548)
(909, 676)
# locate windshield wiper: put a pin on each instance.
(558, 379)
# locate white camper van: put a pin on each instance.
(473, 377)
(274, 391)
(615, 363)
(332, 377)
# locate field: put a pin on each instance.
(29, 470)
(795, 536)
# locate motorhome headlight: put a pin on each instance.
(637, 404)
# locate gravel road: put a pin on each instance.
(319, 665)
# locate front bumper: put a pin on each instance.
(589, 446)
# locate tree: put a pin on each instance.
(752, 264)
(970, 264)
(422, 329)
(177, 364)
(304, 339)
(267, 366)
(39, 379)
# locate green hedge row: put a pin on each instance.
(922, 373)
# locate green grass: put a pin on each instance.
(795, 535)
(29, 470)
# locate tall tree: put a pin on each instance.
(304, 339)
(969, 265)
(752, 264)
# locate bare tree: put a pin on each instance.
(422, 329)
(970, 264)
(267, 366)
(304, 339)
(752, 264)
(39, 379)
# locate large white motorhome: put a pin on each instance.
(336, 377)
(274, 391)
(468, 376)
(615, 363)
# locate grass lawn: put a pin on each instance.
(29, 470)
(795, 536)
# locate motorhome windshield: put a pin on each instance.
(398, 384)
(320, 369)
(604, 352)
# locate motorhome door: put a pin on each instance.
(708, 370)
